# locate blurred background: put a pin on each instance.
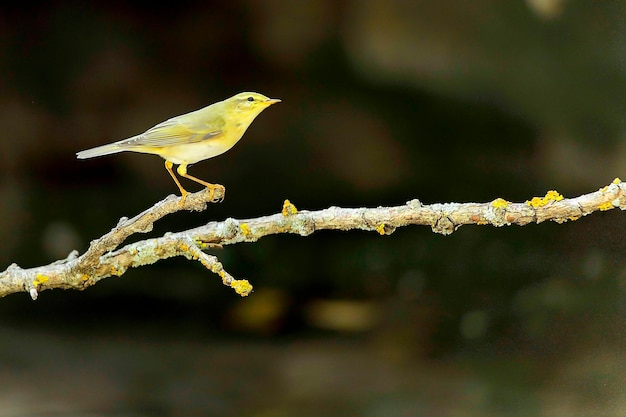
(384, 101)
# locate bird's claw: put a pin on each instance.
(222, 193)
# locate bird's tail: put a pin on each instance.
(100, 151)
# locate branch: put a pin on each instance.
(103, 258)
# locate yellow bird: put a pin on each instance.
(193, 137)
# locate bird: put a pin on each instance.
(193, 137)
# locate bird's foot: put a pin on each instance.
(221, 193)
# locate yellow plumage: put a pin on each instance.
(193, 137)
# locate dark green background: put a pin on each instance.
(383, 102)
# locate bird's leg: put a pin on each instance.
(182, 171)
(183, 192)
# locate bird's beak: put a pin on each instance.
(273, 101)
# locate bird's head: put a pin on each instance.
(253, 103)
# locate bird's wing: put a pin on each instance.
(174, 132)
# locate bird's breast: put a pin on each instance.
(195, 152)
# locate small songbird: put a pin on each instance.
(193, 137)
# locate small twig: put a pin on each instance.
(103, 260)
(210, 262)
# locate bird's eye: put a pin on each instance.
(250, 98)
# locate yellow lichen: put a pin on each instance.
(544, 201)
(40, 279)
(553, 195)
(241, 287)
(84, 277)
(500, 203)
(381, 229)
(617, 181)
(245, 229)
(606, 206)
(289, 209)
(203, 245)
(116, 272)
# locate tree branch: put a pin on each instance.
(103, 259)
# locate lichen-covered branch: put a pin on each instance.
(104, 258)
